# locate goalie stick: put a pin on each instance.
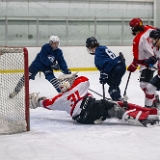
(99, 94)
(109, 99)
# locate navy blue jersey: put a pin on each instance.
(42, 59)
(105, 60)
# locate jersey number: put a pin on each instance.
(74, 97)
(110, 53)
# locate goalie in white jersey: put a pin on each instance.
(83, 108)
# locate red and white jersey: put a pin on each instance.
(71, 100)
(142, 48)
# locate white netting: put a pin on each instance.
(12, 110)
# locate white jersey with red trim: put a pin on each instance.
(71, 100)
(142, 48)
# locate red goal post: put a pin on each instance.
(14, 112)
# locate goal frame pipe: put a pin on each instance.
(26, 75)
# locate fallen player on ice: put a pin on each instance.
(83, 108)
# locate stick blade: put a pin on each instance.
(125, 97)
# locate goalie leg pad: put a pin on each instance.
(140, 118)
(132, 106)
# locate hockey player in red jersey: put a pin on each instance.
(142, 52)
(154, 84)
(83, 108)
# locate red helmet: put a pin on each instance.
(135, 22)
(136, 25)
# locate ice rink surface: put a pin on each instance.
(55, 136)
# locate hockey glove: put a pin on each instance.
(55, 66)
(67, 71)
(150, 61)
(133, 66)
(103, 78)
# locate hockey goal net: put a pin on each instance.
(14, 112)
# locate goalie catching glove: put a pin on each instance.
(34, 100)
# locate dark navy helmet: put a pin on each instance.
(155, 34)
(91, 42)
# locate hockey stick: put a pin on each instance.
(125, 90)
(103, 91)
(99, 94)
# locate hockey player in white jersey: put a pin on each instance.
(154, 84)
(143, 55)
(83, 108)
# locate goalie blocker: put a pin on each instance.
(85, 109)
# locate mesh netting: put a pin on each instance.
(12, 110)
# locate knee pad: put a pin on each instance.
(143, 86)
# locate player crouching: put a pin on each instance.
(83, 108)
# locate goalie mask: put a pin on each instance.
(66, 81)
(54, 42)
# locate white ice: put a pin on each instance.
(54, 136)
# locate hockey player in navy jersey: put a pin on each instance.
(111, 67)
(84, 108)
(50, 57)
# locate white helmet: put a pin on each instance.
(54, 39)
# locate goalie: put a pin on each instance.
(83, 108)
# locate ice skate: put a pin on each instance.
(156, 102)
(13, 94)
(150, 121)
